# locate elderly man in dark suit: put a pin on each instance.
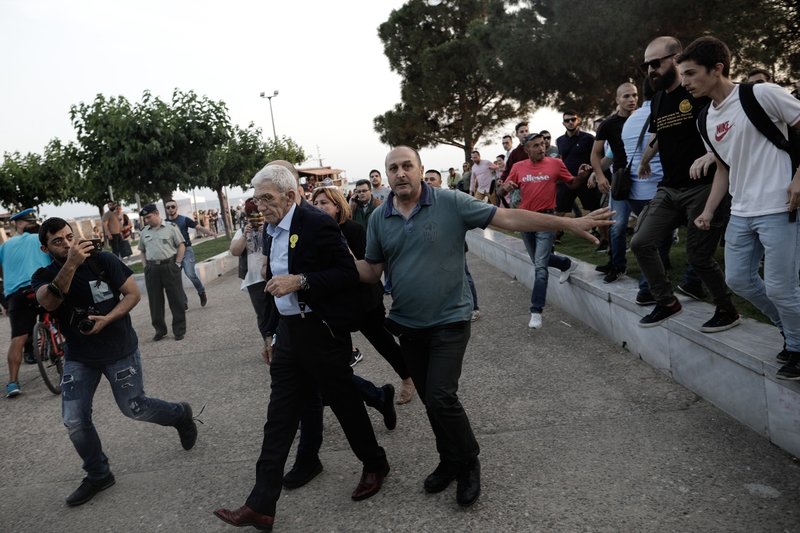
(310, 273)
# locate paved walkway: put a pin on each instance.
(576, 435)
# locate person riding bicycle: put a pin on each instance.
(19, 258)
(91, 292)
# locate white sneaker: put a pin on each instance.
(476, 315)
(565, 274)
(536, 321)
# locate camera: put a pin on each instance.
(80, 318)
(97, 243)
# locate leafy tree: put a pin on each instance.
(112, 143)
(551, 56)
(445, 97)
(33, 179)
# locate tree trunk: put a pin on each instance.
(226, 212)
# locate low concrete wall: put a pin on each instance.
(207, 270)
(734, 370)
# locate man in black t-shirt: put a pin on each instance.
(681, 195)
(575, 149)
(610, 131)
(91, 294)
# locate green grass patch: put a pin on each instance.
(582, 249)
(202, 251)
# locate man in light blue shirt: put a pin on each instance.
(20, 257)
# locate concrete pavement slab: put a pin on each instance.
(576, 435)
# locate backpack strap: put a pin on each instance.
(702, 127)
(758, 116)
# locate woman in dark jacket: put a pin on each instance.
(332, 201)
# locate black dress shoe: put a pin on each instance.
(387, 410)
(440, 478)
(159, 336)
(203, 299)
(302, 472)
(187, 429)
(370, 483)
(179, 337)
(469, 484)
(88, 488)
(244, 516)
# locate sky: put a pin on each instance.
(324, 58)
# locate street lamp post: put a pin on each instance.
(264, 95)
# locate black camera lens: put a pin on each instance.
(85, 325)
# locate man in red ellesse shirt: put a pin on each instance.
(536, 179)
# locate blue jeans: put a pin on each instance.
(77, 392)
(191, 272)
(539, 245)
(777, 295)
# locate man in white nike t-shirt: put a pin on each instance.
(764, 186)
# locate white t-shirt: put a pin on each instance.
(254, 259)
(759, 171)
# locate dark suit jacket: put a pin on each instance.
(321, 253)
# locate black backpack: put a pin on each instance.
(756, 114)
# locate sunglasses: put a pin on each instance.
(546, 137)
(654, 63)
(573, 119)
(171, 207)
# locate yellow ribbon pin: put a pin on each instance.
(293, 240)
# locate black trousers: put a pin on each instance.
(308, 356)
(161, 279)
(435, 356)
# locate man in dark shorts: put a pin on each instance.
(19, 258)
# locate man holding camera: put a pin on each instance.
(91, 293)
(162, 250)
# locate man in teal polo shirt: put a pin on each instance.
(418, 233)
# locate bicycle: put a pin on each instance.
(48, 349)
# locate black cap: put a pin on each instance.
(533, 137)
(146, 210)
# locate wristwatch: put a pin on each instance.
(303, 282)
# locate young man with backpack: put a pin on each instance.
(763, 181)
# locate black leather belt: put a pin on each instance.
(160, 261)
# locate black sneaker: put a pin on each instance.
(88, 488)
(187, 429)
(203, 299)
(613, 275)
(29, 358)
(644, 297)
(603, 268)
(356, 357)
(660, 314)
(602, 248)
(791, 370)
(783, 356)
(724, 318)
(692, 290)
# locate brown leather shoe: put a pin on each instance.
(406, 392)
(370, 483)
(244, 516)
